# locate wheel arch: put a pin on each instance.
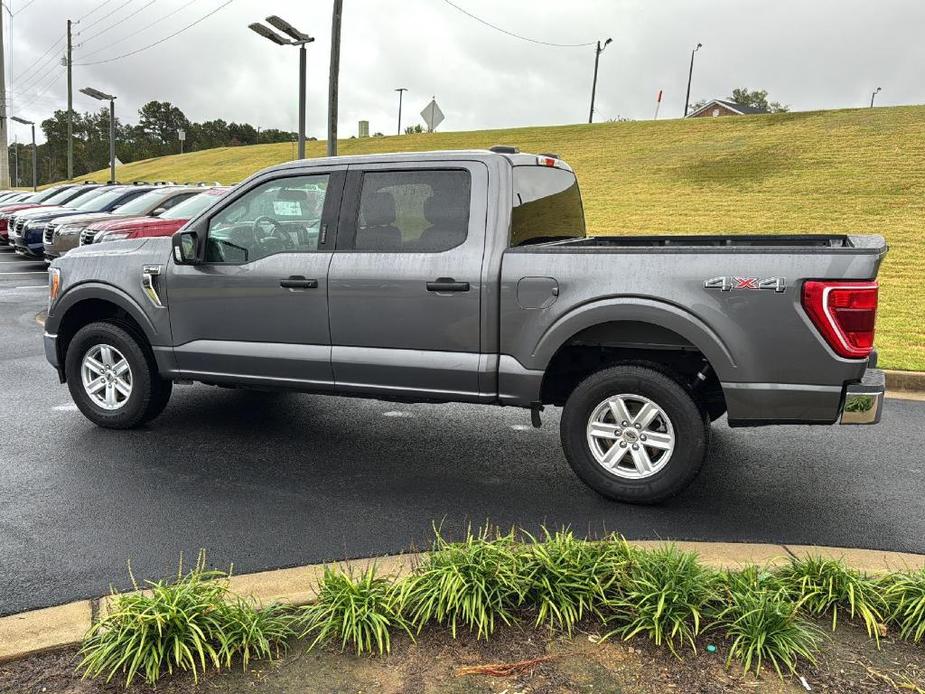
(91, 302)
(640, 331)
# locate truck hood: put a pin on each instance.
(105, 253)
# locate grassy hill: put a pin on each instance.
(828, 171)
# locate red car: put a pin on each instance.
(163, 225)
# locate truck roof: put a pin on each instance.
(516, 158)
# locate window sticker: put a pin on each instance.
(287, 208)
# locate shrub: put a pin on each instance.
(359, 611)
(826, 585)
(904, 595)
(663, 595)
(179, 625)
(568, 578)
(474, 583)
(764, 626)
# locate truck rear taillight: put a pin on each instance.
(845, 313)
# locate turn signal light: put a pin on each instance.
(54, 284)
(844, 313)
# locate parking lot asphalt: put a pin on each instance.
(276, 480)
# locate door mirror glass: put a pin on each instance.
(187, 248)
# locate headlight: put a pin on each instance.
(54, 285)
(111, 236)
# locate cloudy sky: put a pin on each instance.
(810, 54)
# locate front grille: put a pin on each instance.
(49, 235)
(87, 236)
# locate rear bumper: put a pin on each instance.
(863, 401)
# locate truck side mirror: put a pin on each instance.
(188, 247)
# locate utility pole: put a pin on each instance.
(597, 58)
(70, 108)
(400, 91)
(4, 143)
(332, 79)
(690, 75)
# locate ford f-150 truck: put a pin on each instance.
(468, 276)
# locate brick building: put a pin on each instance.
(723, 107)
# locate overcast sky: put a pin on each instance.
(810, 54)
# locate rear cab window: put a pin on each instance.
(546, 206)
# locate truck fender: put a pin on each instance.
(105, 292)
(663, 314)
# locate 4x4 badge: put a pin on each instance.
(727, 284)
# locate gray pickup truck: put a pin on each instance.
(468, 277)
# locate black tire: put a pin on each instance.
(149, 393)
(690, 424)
(159, 398)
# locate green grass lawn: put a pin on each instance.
(850, 171)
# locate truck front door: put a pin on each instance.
(256, 312)
(405, 283)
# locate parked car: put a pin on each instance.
(468, 276)
(63, 234)
(33, 200)
(28, 228)
(163, 225)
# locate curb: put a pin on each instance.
(50, 628)
(905, 382)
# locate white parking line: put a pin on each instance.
(396, 413)
(65, 408)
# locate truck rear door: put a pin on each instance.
(404, 286)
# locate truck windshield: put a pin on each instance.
(547, 206)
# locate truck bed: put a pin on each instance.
(743, 243)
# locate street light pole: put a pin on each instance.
(112, 139)
(303, 78)
(597, 57)
(400, 91)
(102, 96)
(31, 123)
(690, 75)
(296, 38)
(873, 96)
(34, 170)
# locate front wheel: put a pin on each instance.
(112, 378)
(633, 434)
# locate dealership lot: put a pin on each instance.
(267, 480)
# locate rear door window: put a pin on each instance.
(425, 211)
(547, 206)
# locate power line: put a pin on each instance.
(144, 28)
(115, 24)
(108, 15)
(98, 7)
(40, 61)
(23, 7)
(517, 36)
(166, 38)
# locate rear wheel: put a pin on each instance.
(633, 434)
(112, 378)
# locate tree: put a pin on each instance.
(757, 99)
(161, 120)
